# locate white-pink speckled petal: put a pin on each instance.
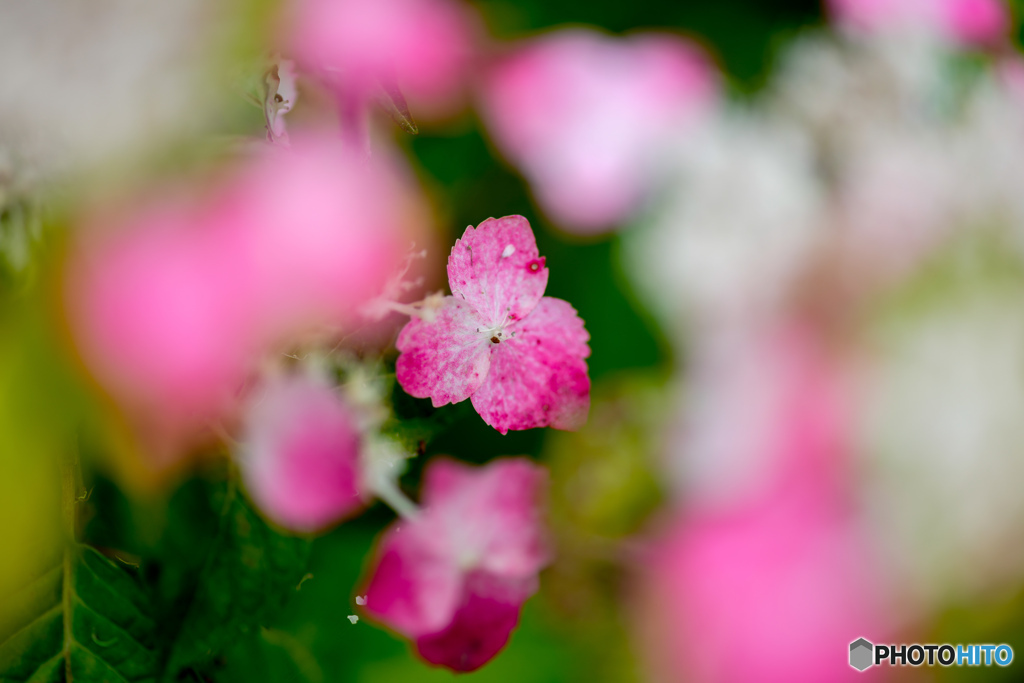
(446, 359)
(466, 562)
(497, 269)
(493, 512)
(538, 378)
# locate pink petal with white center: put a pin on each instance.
(538, 377)
(498, 506)
(445, 359)
(454, 578)
(300, 454)
(481, 625)
(497, 269)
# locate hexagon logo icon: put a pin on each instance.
(861, 652)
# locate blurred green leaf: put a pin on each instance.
(83, 620)
(248, 575)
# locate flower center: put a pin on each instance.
(497, 334)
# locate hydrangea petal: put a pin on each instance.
(445, 359)
(416, 586)
(455, 577)
(482, 624)
(300, 459)
(497, 269)
(538, 378)
(498, 508)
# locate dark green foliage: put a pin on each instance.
(248, 575)
(85, 619)
(216, 574)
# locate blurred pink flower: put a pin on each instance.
(978, 22)
(766, 413)
(455, 578)
(173, 309)
(583, 115)
(424, 46)
(321, 230)
(300, 453)
(518, 355)
(969, 22)
(726, 591)
(160, 312)
(769, 593)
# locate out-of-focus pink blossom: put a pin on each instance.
(726, 597)
(583, 115)
(978, 22)
(726, 587)
(321, 231)
(518, 355)
(423, 46)
(300, 453)
(160, 312)
(968, 22)
(173, 309)
(454, 578)
(765, 413)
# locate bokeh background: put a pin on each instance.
(596, 617)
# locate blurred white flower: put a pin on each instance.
(944, 436)
(736, 227)
(87, 82)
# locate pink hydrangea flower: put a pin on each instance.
(321, 230)
(515, 353)
(584, 115)
(725, 597)
(455, 577)
(156, 313)
(968, 22)
(730, 580)
(172, 309)
(300, 453)
(424, 46)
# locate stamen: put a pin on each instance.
(509, 250)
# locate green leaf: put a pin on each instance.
(85, 619)
(249, 573)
